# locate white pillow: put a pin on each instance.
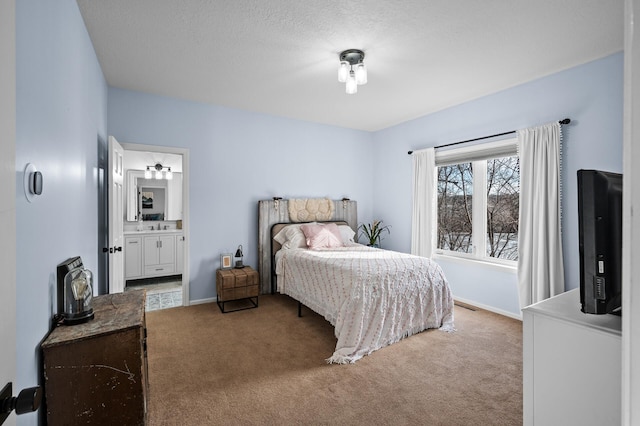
(347, 233)
(291, 236)
(281, 236)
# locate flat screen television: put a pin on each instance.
(600, 235)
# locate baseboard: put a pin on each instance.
(488, 308)
(202, 301)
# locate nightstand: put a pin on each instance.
(235, 285)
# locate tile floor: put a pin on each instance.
(161, 293)
(164, 300)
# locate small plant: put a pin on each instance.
(373, 231)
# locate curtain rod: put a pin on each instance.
(564, 121)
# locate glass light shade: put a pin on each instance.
(78, 293)
(343, 71)
(361, 74)
(147, 173)
(169, 174)
(158, 174)
(352, 86)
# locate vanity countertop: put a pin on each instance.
(155, 231)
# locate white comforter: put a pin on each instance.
(372, 297)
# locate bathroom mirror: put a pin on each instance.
(153, 199)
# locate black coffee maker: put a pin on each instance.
(75, 291)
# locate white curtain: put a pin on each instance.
(424, 202)
(540, 266)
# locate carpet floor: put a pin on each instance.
(267, 366)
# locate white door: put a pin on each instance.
(631, 221)
(133, 257)
(167, 252)
(8, 196)
(116, 216)
(150, 251)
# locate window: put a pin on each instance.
(478, 193)
(455, 207)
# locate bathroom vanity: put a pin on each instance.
(153, 253)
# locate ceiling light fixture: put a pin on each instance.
(159, 172)
(352, 70)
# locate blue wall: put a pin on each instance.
(238, 158)
(590, 94)
(61, 106)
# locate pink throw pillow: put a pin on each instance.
(322, 235)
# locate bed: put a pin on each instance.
(372, 297)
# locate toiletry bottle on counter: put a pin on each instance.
(140, 227)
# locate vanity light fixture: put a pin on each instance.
(352, 70)
(158, 171)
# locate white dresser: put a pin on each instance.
(572, 364)
(153, 253)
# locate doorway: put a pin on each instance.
(157, 226)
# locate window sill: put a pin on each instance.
(477, 262)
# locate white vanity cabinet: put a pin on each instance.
(132, 257)
(159, 254)
(153, 254)
(179, 254)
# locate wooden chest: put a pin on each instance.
(237, 284)
(96, 372)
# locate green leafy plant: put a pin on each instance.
(373, 231)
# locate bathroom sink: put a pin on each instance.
(155, 231)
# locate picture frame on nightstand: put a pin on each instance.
(226, 261)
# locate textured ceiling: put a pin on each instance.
(281, 57)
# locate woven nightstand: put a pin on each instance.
(235, 285)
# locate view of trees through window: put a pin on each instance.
(455, 206)
(455, 195)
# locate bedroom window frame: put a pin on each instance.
(477, 154)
